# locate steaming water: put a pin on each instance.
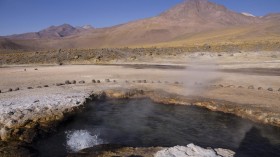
(81, 139)
(141, 122)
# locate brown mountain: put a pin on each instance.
(52, 32)
(190, 22)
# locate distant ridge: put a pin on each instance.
(190, 22)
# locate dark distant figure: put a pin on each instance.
(256, 146)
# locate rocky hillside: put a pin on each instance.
(192, 22)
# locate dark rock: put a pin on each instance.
(144, 81)
(67, 82)
(93, 81)
(220, 85)
(240, 87)
(82, 82)
(176, 82)
(16, 89)
(10, 89)
(73, 82)
(260, 88)
(278, 90)
(35, 69)
(29, 87)
(126, 81)
(46, 85)
(270, 89)
(139, 81)
(107, 80)
(58, 84)
(11, 113)
(115, 81)
(0, 91)
(251, 87)
(98, 81)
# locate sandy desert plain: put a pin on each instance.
(37, 98)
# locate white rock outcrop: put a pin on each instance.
(192, 150)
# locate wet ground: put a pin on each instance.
(142, 123)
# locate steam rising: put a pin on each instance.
(200, 76)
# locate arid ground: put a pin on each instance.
(242, 83)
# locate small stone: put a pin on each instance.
(82, 82)
(98, 81)
(144, 81)
(11, 123)
(67, 82)
(46, 85)
(260, 88)
(176, 82)
(36, 101)
(73, 82)
(4, 134)
(139, 81)
(11, 113)
(29, 87)
(93, 81)
(10, 89)
(251, 87)
(58, 84)
(126, 81)
(270, 89)
(220, 85)
(107, 80)
(278, 90)
(35, 69)
(240, 87)
(115, 81)
(16, 89)
(0, 91)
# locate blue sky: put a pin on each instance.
(19, 16)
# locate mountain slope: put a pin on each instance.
(190, 21)
(52, 32)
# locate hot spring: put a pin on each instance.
(143, 123)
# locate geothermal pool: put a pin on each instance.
(143, 123)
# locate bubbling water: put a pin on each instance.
(81, 139)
